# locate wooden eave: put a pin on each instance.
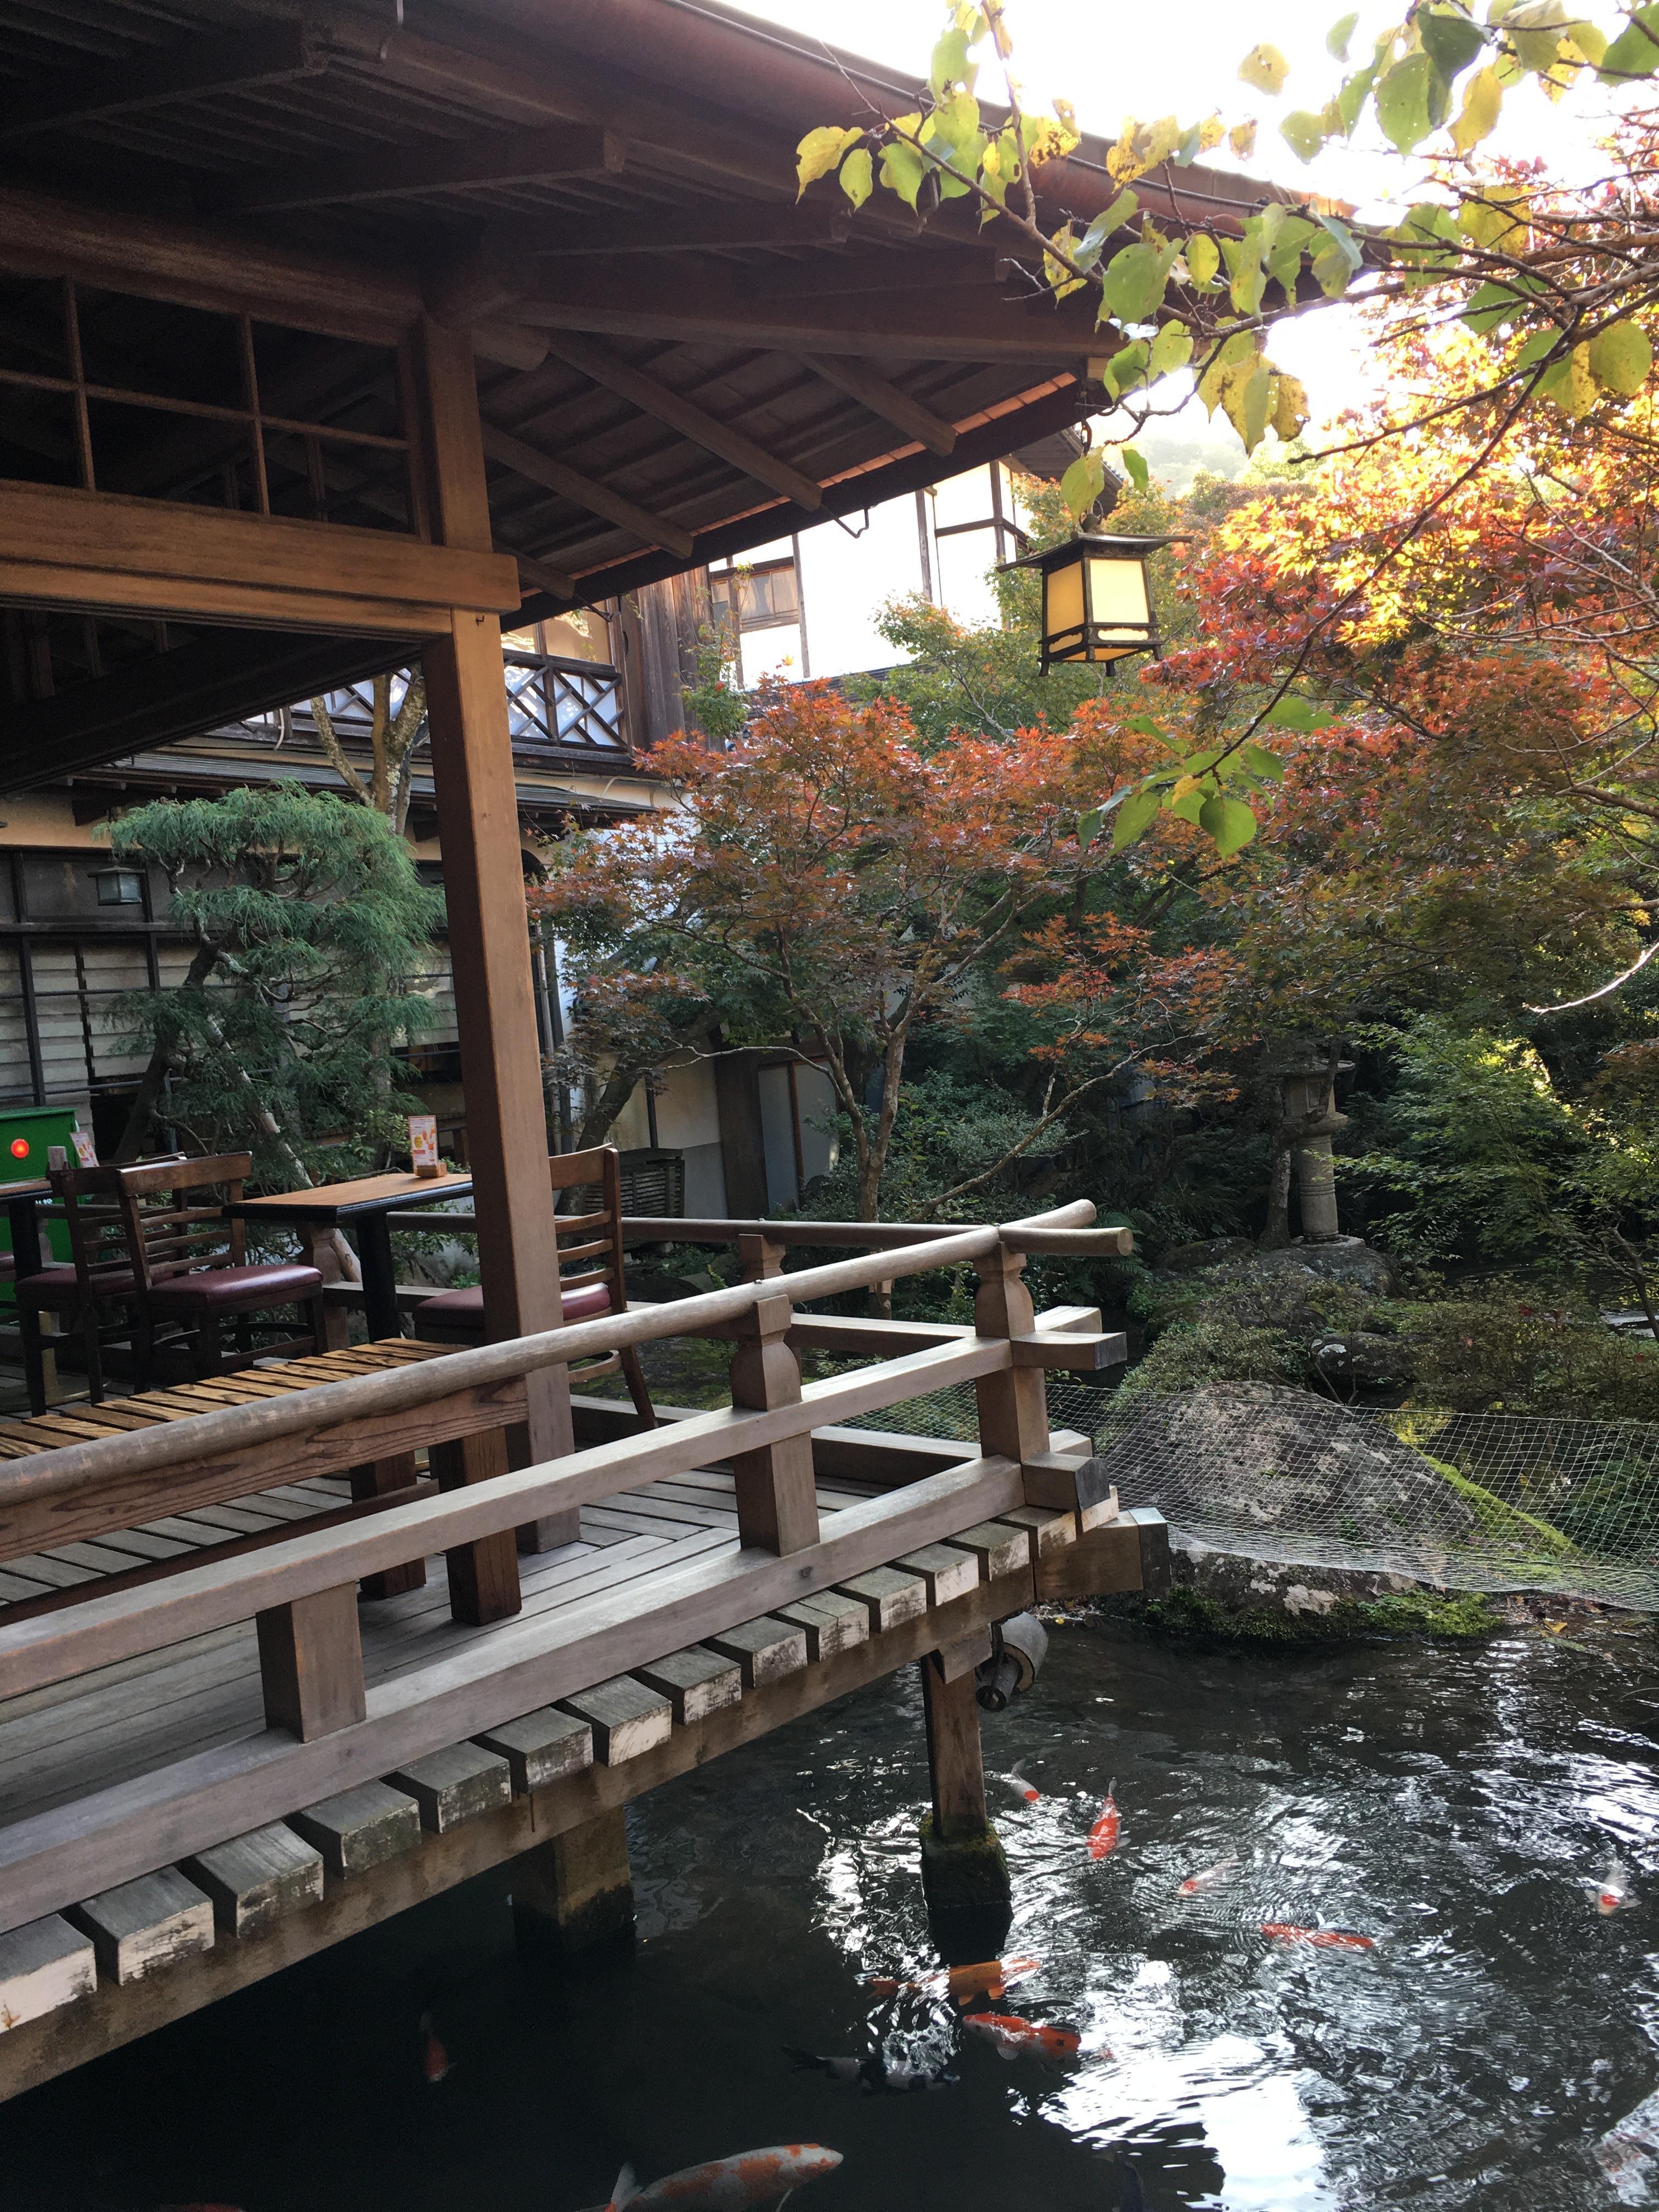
(510, 170)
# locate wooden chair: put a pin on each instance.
(81, 1292)
(187, 1265)
(597, 1287)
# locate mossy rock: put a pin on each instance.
(1188, 1611)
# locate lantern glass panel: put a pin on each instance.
(1062, 600)
(1118, 589)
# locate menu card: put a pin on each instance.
(423, 1145)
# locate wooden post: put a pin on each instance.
(488, 930)
(374, 1478)
(319, 1247)
(1013, 1407)
(964, 1875)
(575, 1889)
(484, 1576)
(777, 1504)
(311, 1663)
(955, 1767)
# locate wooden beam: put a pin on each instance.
(157, 76)
(525, 460)
(95, 550)
(225, 271)
(654, 398)
(914, 269)
(733, 228)
(884, 399)
(52, 1859)
(435, 165)
(224, 675)
(777, 1506)
(945, 325)
(488, 928)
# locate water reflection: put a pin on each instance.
(1452, 1804)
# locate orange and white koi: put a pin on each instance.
(726, 2184)
(988, 1978)
(1102, 1836)
(1008, 2035)
(435, 2059)
(1613, 1888)
(1022, 1787)
(1196, 1884)
(1322, 1939)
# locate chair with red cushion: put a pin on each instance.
(458, 1316)
(92, 1292)
(190, 1272)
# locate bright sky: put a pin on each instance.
(1182, 57)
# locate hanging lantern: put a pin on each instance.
(1096, 600)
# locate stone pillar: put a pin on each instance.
(576, 1889)
(1305, 1095)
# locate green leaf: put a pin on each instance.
(1304, 132)
(1337, 38)
(1406, 100)
(1230, 822)
(1203, 258)
(1621, 358)
(1488, 305)
(1135, 282)
(1247, 289)
(902, 169)
(820, 151)
(1088, 826)
(1144, 727)
(1292, 712)
(1133, 818)
(857, 175)
(1355, 91)
(1285, 258)
(950, 62)
(1083, 483)
(1124, 210)
(1190, 805)
(1483, 101)
(1538, 347)
(1126, 366)
(1265, 68)
(1171, 348)
(1635, 52)
(1449, 40)
(1140, 475)
(1260, 762)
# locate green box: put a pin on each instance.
(37, 1128)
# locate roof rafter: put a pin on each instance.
(506, 157)
(539, 468)
(885, 400)
(652, 397)
(194, 68)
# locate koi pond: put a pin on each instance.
(1456, 1803)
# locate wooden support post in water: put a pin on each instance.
(489, 931)
(311, 1663)
(777, 1504)
(964, 1872)
(577, 1888)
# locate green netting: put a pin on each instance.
(1463, 1501)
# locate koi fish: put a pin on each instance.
(1102, 1836)
(1021, 1787)
(1613, 1888)
(988, 1977)
(1008, 2035)
(726, 2184)
(1196, 1884)
(435, 2059)
(877, 2074)
(1324, 1939)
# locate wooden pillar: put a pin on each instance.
(777, 1505)
(311, 1663)
(484, 1576)
(1013, 1406)
(956, 1770)
(488, 930)
(376, 1478)
(965, 1874)
(743, 1143)
(576, 1889)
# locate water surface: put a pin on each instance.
(1453, 1803)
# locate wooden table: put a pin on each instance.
(364, 1204)
(21, 1199)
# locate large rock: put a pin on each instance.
(1360, 1360)
(1347, 1259)
(1277, 1474)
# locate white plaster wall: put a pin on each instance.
(845, 580)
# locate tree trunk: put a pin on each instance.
(153, 1082)
(1277, 1233)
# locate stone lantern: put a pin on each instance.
(1306, 1103)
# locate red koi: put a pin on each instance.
(1102, 1836)
(1008, 2035)
(435, 2059)
(1613, 1888)
(1195, 1884)
(1323, 1939)
(727, 2185)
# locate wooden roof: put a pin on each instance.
(677, 362)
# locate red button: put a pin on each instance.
(20, 1148)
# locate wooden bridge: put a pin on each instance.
(209, 1769)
